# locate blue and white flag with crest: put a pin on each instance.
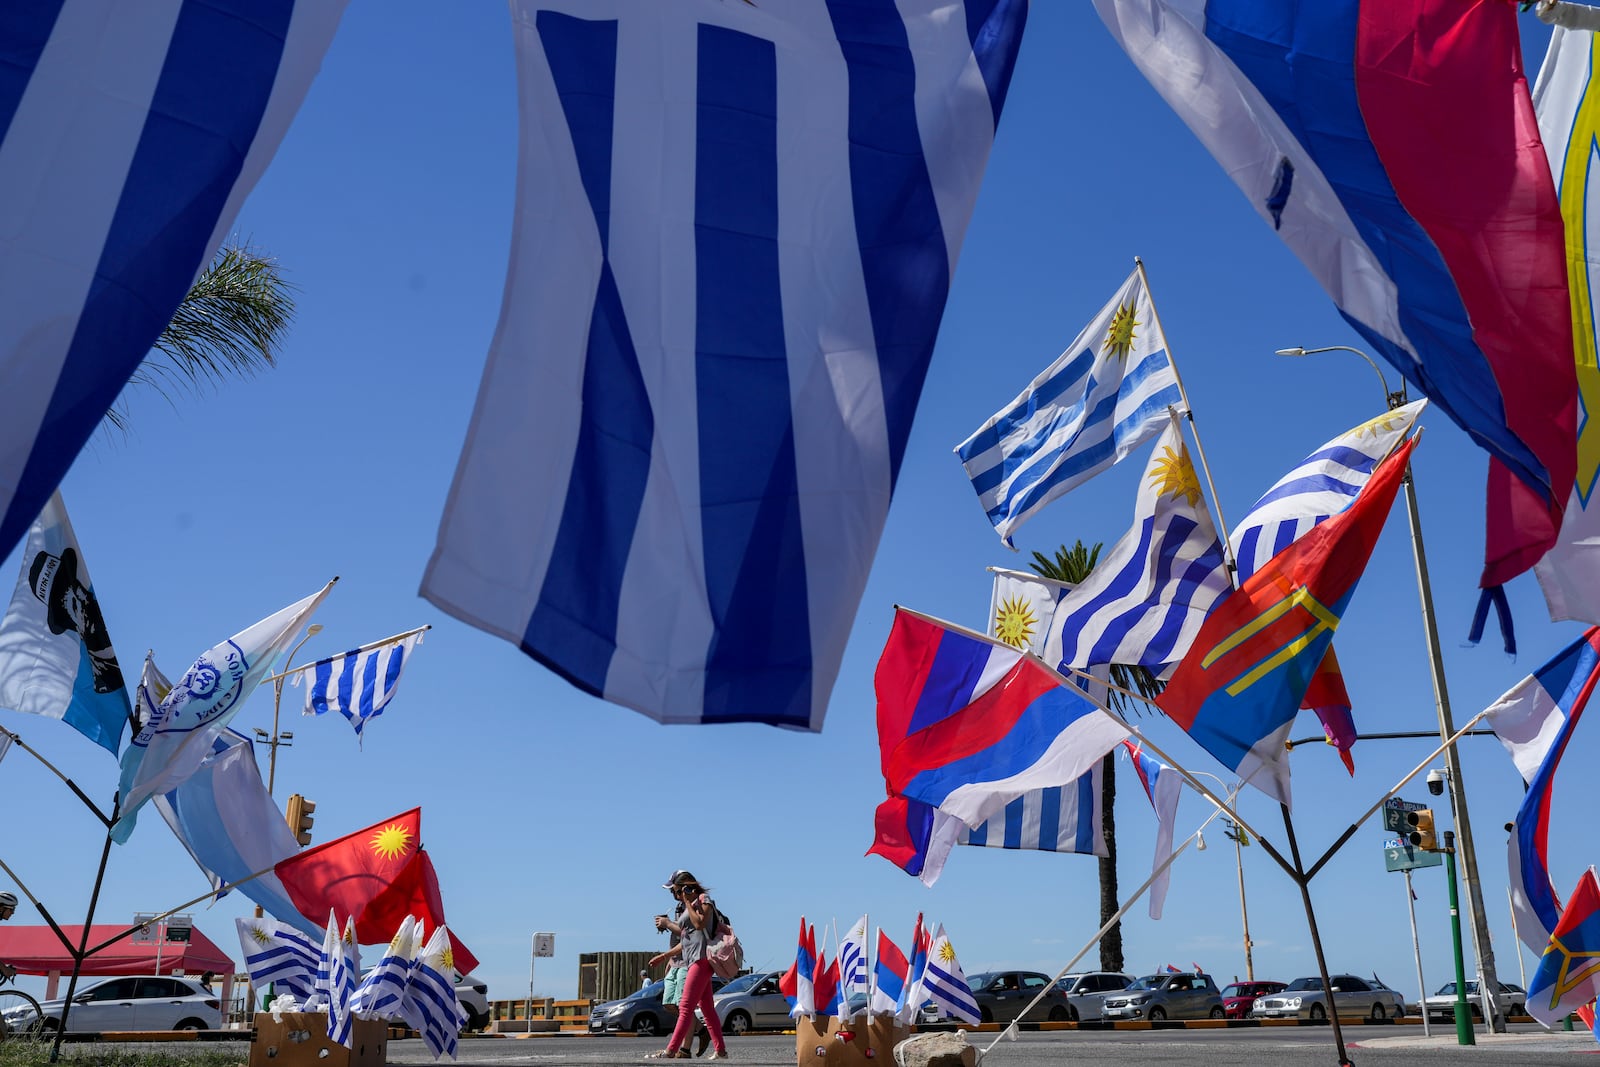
(56, 658)
(736, 228)
(179, 737)
(1101, 398)
(129, 136)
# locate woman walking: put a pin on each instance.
(699, 918)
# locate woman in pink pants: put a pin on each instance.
(699, 918)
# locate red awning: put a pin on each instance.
(36, 950)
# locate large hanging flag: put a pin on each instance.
(177, 739)
(1057, 819)
(890, 970)
(1568, 975)
(1444, 251)
(1534, 722)
(56, 658)
(717, 368)
(945, 984)
(1238, 689)
(345, 874)
(853, 967)
(224, 816)
(131, 133)
(1567, 100)
(413, 892)
(1101, 398)
(385, 991)
(967, 725)
(1322, 485)
(1144, 603)
(278, 954)
(1163, 786)
(360, 683)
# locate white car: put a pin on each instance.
(1304, 998)
(474, 996)
(139, 1003)
(1442, 1005)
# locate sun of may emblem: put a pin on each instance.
(260, 935)
(1382, 424)
(1119, 338)
(391, 841)
(1015, 622)
(448, 958)
(1176, 475)
(947, 952)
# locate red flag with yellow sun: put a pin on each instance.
(344, 874)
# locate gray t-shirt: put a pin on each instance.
(694, 939)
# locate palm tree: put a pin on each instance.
(1074, 565)
(232, 321)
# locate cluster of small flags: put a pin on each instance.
(891, 985)
(414, 982)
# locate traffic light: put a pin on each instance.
(299, 816)
(1422, 834)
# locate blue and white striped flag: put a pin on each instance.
(338, 970)
(1144, 602)
(1058, 819)
(945, 984)
(853, 969)
(736, 229)
(1323, 485)
(130, 135)
(1103, 396)
(385, 993)
(276, 952)
(433, 992)
(357, 684)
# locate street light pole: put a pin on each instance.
(1483, 948)
(283, 737)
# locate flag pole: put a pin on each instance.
(348, 652)
(1188, 414)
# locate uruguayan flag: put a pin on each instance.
(276, 953)
(1021, 606)
(337, 973)
(1058, 819)
(357, 684)
(1105, 394)
(736, 229)
(1144, 602)
(385, 992)
(131, 134)
(853, 968)
(433, 992)
(945, 984)
(1323, 485)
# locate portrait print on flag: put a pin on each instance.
(735, 232)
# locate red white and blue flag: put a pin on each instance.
(1568, 975)
(799, 984)
(967, 724)
(1534, 721)
(1238, 689)
(911, 999)
(890, 972)
(1162, 785)
(1445, 251)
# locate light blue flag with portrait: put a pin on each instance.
(56, 658)
(178, 737)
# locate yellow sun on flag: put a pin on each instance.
(448, 958)
(391, 841)
(260, 935)
(1382, 424)
(349, 935)
(1015, 622)
(1119, 337)
(1176, 476)
(947, 952)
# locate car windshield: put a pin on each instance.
(654, 989)
(1449, 989)
(1301, 985)
(741, 984)
(978, 982)
(1239, 989)
(1149, 981)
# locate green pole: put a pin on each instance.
(1464, 1034)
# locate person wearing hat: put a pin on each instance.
(672, 989)
(8, 908)
(694, 932)
(71, 605)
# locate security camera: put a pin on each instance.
(1436, 779)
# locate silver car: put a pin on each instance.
(1304, 998)
(1511, 1000)
(753, 1002)
(1184, 995)
(1086, 992)
(141, 1003)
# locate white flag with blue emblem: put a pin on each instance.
(56, 658)
(360, 683)
(178, 737)
(1145, 601)
(129, 136)
(1101, 398)
(1324, 484)
(736, 229)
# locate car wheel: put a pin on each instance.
(1072, 1014)
(190, 1024)
(986, 1015)
(1318, 1011)
(1517, 1009)
(737, 1022)
(645, 1025)
(1058, 1014)
(1157, 1013)
(1218, 1013)
(1378, 1013)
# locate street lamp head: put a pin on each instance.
(1290, 352)
(1199, 841)
(314, 628)
(285, 734)
(261, 735)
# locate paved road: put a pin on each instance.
(1312, 1047)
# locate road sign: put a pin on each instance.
(1394, 814)
(544, 945)
(144, 935)
(178, 927)
(1398, 855)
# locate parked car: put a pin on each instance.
(753, 1002)
(1184, 995)
(1511, 1000)
(138, 1003)
(1304, 998)
(1002, 995)
(1086, 992)
(474, 996)
(640, 1012)
(1240, 997)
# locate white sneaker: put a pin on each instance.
(715, 1055)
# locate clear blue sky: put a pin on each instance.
(545, 809)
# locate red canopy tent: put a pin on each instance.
(37, 950)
